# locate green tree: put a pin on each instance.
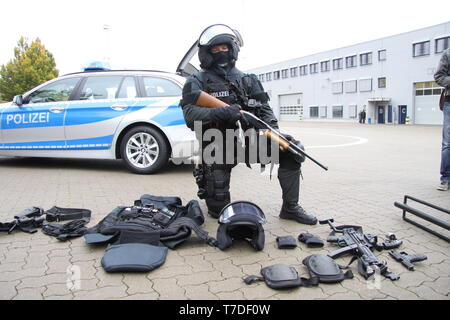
(32, 65)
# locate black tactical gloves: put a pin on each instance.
(299, 158)
(311, 240)
(229, 114)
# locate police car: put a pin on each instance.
(101, 114)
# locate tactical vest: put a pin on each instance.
(222, 87)
(164, 215)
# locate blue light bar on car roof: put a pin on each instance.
(97, 65)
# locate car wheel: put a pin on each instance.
(144, 150)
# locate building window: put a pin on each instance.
(313, 68)
(421, 49)
(336, 87)
(323, 111)
(428, 88)
(352, 111)
(261, 77)
(290, 110)
(294, 72)
(313, 112)
(325, 66)
(381, 55)
(276, 75)
(350, 62)
(382, 82)
(365, 59)
(284, 73)
(350, 86)
(303, 70)
(365, 85)
(338, 63)
(442, 44)
(338, 111)
(269, 76)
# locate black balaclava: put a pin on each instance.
(221, 58)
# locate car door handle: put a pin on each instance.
(119, 107)
(57, 109)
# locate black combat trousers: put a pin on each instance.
(214, 181)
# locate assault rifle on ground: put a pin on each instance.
(208, 101)
(26, 221)
(353, 241)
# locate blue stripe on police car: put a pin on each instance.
(172, 116)
(96, 143)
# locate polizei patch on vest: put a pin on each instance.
(220, 94)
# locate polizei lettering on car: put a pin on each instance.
(33, 117)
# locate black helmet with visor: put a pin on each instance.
(214, 35)
(241, 220)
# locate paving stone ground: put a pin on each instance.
(371, 167)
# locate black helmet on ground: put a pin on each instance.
(214, 35)
(241, 220)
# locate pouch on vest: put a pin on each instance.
(280, 276)
(98, 238)
(325, 269)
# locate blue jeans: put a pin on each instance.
(445, 154)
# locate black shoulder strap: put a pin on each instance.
(189, 223)
(200, 76)
(304, 282)
(63, 214)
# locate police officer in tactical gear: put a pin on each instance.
(218, 51)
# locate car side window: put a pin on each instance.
(59, 90)
(100, 87)
(128, 88)
(158, 87)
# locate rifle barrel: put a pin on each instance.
(290, 146)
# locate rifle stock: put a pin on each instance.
(206, 100)
(269, 134)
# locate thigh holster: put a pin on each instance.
(200, 179)
(214, 185)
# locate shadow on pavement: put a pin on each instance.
(81, 164)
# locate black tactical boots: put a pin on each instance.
(297, 213)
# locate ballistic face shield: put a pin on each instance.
(218, 34)
(241, 220)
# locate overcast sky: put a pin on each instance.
(156, 34)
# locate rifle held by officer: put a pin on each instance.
(208, 101)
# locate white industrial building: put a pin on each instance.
(391, 78)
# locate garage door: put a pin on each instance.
(427, 103)
(291, 108)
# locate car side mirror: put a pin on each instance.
(18, 100)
